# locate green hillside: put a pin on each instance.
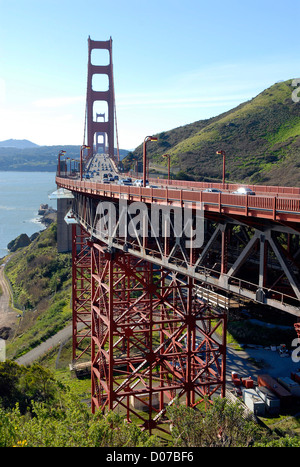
(40, 279)
(261, 139)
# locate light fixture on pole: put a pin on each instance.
(148, 138)
(169, 157)
(81, 156)
(68, 159)
(222, 153)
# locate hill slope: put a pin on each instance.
(17, 143)
(261, 139)
(40, 279)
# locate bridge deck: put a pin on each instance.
(268, 206)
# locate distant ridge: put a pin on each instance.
(35, 158)
(18, 143)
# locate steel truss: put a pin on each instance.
(152, 339)
(252, 259)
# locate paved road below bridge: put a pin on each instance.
(8, 316)
(39, 351)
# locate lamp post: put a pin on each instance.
(148, 138)
(68, 159)
(168, 156)
(81, 157)
(224, 155)
(59, 155)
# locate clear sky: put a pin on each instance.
(175, 62)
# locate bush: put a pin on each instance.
(56, 417)
(221, 425)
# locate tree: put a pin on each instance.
(221, 424)
(22, 385)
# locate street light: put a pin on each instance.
(81, 156)
(223, 154)
(168, 156)
(68, 159)
(59, 155)
(148, 138)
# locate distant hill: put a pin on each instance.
(40, 158)
(261, 138)
(36, 158)
(18, 143)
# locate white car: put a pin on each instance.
(140, 183)
(243, 190)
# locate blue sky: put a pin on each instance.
(175, 62)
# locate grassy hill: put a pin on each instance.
(40, 279)
(261, 139)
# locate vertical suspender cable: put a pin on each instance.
(115, 110)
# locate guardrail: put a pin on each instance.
(268, 205)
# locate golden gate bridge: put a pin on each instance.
(139, 316)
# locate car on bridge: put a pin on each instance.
(212, 190)
(140, 183)
(125, 181)
(243, 190)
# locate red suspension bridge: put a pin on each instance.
(150, 308)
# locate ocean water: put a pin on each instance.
(21, 194)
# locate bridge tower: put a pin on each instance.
(95, 96)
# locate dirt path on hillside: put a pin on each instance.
(8, 317)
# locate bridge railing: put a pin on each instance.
(273, 190)
(274, 204)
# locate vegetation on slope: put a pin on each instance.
(261, 139)
(36, 410)
(40, 278)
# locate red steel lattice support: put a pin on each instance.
(81, 297)
(152, 339)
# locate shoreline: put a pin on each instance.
(44, 219)
(8, 315)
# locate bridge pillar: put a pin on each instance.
(64, 231)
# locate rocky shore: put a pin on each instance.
(48, 216)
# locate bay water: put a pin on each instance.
(21, 194)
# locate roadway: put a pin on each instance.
(100, 167)
(101, 164)
(8, 316)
